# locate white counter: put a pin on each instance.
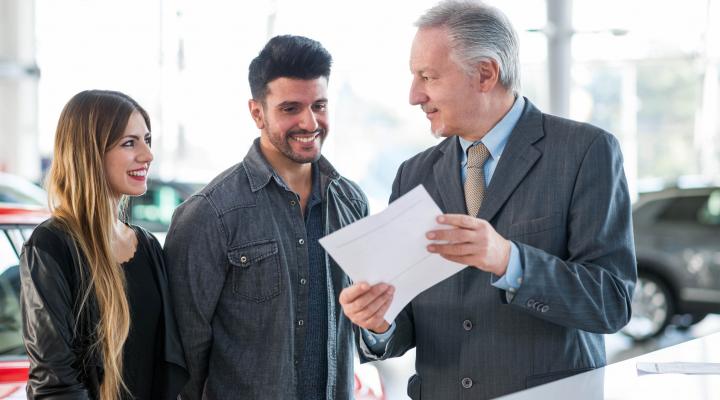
(621, 380)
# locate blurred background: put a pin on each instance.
(647, 71)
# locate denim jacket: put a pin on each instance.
(237, 260)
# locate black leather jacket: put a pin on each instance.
(59, 336)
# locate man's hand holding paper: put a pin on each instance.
(386, 255)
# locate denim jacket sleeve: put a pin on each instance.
(196, 255)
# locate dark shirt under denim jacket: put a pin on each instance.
(239, 256)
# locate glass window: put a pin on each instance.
(10, 321)
(710, 213)
(8, 256)
(683, 209)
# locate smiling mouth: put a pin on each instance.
(138, 174)
(429, 110)
(305, 139)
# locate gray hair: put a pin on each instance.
(478, 32)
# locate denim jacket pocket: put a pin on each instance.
(256, 270)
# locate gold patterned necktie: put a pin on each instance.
(475, 178)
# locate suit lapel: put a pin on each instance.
(447, 177)
(516, 161)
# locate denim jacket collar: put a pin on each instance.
(260, 171)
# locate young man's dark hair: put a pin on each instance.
(288, 56)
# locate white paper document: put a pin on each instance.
(391, 246)
(691, 368)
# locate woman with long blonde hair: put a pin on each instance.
(97, 323)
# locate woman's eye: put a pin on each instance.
(129, 143)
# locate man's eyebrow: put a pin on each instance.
(288, 104)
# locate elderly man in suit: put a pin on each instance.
(538, 208)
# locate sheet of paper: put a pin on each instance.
(390, 247)
(691, 368)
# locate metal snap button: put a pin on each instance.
(467, 325)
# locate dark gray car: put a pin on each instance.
(677, 239)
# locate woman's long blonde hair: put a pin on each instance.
(82, 201)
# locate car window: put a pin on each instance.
(683, 209)
(8, 255)
(10, 320)
(710, 213)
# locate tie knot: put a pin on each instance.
(477, 155)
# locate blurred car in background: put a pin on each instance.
(153, 210)
(16, 225)
(17, 190)
(677, 240)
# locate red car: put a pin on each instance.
(16, 224)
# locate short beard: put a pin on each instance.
(286, 149)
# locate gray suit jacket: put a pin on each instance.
(559, 193)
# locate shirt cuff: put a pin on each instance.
(512, 280)
(376, 342)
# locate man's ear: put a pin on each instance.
(486, 75)
(257, 113)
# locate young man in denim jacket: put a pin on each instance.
(255, 295)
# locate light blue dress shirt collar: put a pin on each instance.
(496, 139)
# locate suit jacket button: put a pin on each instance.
(467, 325)
(545, 309)
(467, 383)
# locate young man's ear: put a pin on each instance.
(256, 112)
(487, 75)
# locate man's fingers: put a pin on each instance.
(452, 235)
(378, 323)
(371, 310)
(460, 221)
(464, 249)
(354, 299)
(350, 293)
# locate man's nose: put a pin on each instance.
(417, 95)
(309, 121)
